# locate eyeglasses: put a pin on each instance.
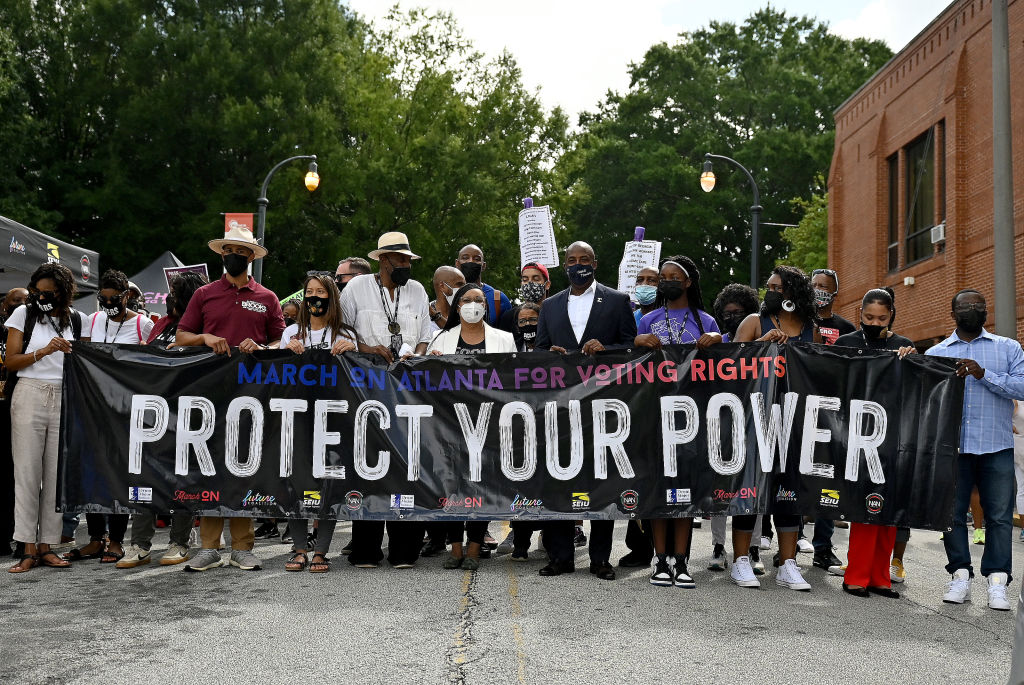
(973, 306)
(827, 272)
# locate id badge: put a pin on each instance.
(396, 345)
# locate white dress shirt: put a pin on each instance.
(363, 309)
(579, 310)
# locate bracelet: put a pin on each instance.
(34, 360)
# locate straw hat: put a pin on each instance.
(393, 242)
(239, 234)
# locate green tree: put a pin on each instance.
(762, 92)
(807, 242)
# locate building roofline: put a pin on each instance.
(939, 18)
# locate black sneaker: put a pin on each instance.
(662, 572)
(825, 559)
(520, 555)
(432, 549)
(267, 530)
(580, 539)
(681, 576)
(635, 560)
(347, 549)
(718, 559)
(311, 539)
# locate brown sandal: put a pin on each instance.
(294, 564)
(322, 566)
(18, 568)
(51, 553)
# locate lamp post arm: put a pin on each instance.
(755, 216)
(266, 181)
(753, 184)
(261, 213)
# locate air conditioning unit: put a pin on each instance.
(939, 233)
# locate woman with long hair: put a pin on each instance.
(39, 334)
(788, 314)
(467, 332)
(319, 326)
(183, 287)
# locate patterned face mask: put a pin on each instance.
(531, 292)
(823, 298)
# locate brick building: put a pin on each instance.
(910, 188)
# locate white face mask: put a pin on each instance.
(448, 296)
(472, 312)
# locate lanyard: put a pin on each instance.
(393, 326)
(106, 323)
(682, 328)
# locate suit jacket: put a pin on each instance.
(494, 340)
(611, 321)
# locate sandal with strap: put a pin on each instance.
(322, 566)
(296, 563)
(109, 557)
(48, 564)
(19, 567)
(76, 554)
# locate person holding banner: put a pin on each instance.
(585, 317)
(39, 334)
(871, 546)
(232, 311)
(467, 333)
(787, 313)
(678, 318)
(533, 289)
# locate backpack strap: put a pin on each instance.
(76, 324)
(138, 327)
(30, 325)
(497, 306)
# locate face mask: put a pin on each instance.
(773, 302)
(400, 275)
(288, 321)
(531, 292)
(317, 306)
(580, 274)
(823, 298)
(872, 331)
(448, 296)
(528, 332)
(645, 294)
(731, 323)
(671, 290)
(340, 283)
(472, 312)
(110, 307)
(972, 322)
(45, 301)
(235, 264)
(471, 270)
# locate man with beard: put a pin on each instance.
(472, 264)
(993, 367)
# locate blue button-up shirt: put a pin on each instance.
(988, 407)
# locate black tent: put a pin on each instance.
(151, 282)
(28, 248)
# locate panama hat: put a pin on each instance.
(393, 242)
(239, 234)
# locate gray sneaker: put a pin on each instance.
(245, 560)
(205, 559)
(506, 545)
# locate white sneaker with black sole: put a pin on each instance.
(743, 574)
(959, 589)
(997, 592)
(789, 576)
(662, 572)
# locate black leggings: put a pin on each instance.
(783, 524)
(98, 523)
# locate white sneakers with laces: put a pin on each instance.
(959, 589)
(743, 573)
(789, 576)
(997, 592)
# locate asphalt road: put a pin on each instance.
(501, 624)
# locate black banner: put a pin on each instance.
(736, 429)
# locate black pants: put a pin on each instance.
(558, 541)
(404, 541)
(98, 523)
(437, 531)
(783, 524)
(475, 531)
(638, 539)
(522, 532)
(6, 478)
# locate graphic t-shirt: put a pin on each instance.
(833, 327)
(464, 347)
(312, 340)
(676, 326)
(133, 331)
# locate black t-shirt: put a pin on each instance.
(833, 327)
(464, 347)
(857, 339)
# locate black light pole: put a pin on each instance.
(312, 180)
(707, 183)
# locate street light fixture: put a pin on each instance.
(707, 183)
(312, 181)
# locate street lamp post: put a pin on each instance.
(707, 183)
(312, 180)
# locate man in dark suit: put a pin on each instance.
(586, 317)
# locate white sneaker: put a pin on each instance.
(837, 570)
(175, 554)
(997, 592)
(789, 576)
(743, 574)
(766, 543)
(133, 556)
(804, 545)
(959, 590)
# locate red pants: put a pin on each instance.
(870, 551)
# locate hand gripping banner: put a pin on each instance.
(745, 428)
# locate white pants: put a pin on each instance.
(35, 429)
(1019, 472)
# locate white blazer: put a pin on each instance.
(494, 341)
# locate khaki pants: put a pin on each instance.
(35, 430)
(243, 536)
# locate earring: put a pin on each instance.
(789, 305)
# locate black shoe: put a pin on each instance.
(432, 549)
(635, 560)
(311, 540)
(267, 530)
(825, 559)
(604, 570)
(696, 523)
(857, 591)
(681, 576)
(520, 555)
(718, 560)
(662, 574)
(485, 552)
(347, 549)
(557, 568)
(884, 592)
(755, 560)
(580, 539)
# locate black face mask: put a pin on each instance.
(111, 306)
(44, 301)
(528, 332)
(872, 331)
(317, 306)
(235, 264)
(773, 302)
(580, 274)
(340, 283)
(288, 321)
(971, 322)
(471, 270)
(400, 275)
(731, 323)
(671, 290)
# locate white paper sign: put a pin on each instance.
(637, 255)
(537, 237)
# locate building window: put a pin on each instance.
(894, 213)
(924, 190)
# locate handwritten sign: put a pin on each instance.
(637, 255)
(537, 237)
(171, 271)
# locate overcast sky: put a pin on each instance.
(576, 50)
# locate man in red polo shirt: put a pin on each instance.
(233, 311)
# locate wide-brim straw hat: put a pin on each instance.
(393, 242)
(239, 234)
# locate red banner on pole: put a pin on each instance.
(238, 221)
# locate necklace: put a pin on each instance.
(394, 328)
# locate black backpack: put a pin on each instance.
(30, 325)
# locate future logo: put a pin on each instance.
(874, 503)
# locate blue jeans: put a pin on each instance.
(823, 529)
(993, 474)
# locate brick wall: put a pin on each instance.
(943, 75)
